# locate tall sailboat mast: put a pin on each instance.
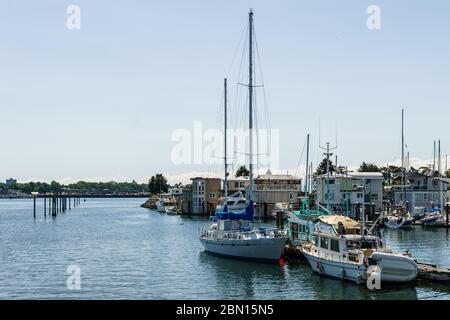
(250, 99)
(307, 167)
(403, 157)
(225, 188)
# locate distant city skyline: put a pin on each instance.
(101, 103)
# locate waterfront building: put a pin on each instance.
(239, 184)
(186, 199)
(271, 189)
(423, 189)
(346, 192)
(206, 193)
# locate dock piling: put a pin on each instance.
(447, 206)
(34, 206)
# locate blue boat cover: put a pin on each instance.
(246, 214)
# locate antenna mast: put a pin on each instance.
(307, 166)
(328, 154)
(403, 157)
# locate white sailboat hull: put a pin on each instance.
(263, 249)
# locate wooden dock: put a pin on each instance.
(432, 273)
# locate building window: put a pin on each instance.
(212, 195)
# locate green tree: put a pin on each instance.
(368, 167)
(392, 174)
(447, 174)
(322, 168)
(55, 186)
(157, 184)
(242, 171)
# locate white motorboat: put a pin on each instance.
(164, 201)
(341, 250)
(397, 222)
(171, 210)
(434, 219)
(235, 202)
(160, 207)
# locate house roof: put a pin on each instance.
(269, 176)
(358, 175)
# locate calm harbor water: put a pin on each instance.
(127, 252)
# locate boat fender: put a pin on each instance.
(342, 274)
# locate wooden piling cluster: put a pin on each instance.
(57, 203)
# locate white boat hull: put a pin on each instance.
(395, 224)
(339, 270)
(393, 268)
(263, 249)
(160, 207)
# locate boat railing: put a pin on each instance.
(268, 231)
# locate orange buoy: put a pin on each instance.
(281, 261)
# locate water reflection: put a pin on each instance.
(243, 279)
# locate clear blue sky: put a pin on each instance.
(103, 101)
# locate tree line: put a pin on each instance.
(83, 186)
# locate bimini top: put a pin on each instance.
(334, 220)
(246, 214)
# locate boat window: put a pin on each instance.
(241, 202)
(316, 240)
(368, 244)
(334, 245)
(324, 242)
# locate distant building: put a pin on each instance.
(175, 191)
(10, 182)
(271, 189)
(349, 191)
(239, 184)
(206, 193)
(186, 199)
(423, 188)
